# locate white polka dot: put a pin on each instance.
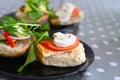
(88, 20)
(116, 39)
(103, 36)
(118, 48)
(81, 27)
(90, 25)
(93, 38)
(86, 14)
(109, 27)
(109, 53)
(106, 21)
(100, 70)
(91, 31)
(116, 78)
(81, 34)
(114, 19)
(106, 42)
(96, 18)
(112, 32)
(118, 30)
(97, 57)
(117, 24)
(98, 23)
(103, 16)
(114, 64)
(95, 46)
(87, 73)
(100, 29)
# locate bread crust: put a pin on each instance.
(20, 49)
(68, 58)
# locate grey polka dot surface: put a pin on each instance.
(100, 29)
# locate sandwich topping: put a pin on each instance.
(64, 40)
(35, 9)
(11, 30)
(61, 42)
(66, 12)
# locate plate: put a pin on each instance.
(35, 70)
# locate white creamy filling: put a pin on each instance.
(64, 40)
(64, 13)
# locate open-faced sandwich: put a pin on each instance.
(65, 50)
(14, 38)
(35, 11)
(68, 14)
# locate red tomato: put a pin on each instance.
(75, 12)
(50, 45)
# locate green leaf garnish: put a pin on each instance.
(34, 15)
(30, 58)
(38, 8)
(32, 52)
(18, 29)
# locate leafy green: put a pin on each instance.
(34, 15)
(41, 36)
(30, 58)
(45, 27)
(38, 8)
(6, 24)
(52, 14)
(32, 52)
(14, 28)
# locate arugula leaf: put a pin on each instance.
(17, 29)
(30, 58)
(44, 27)
(7, 24)
(34, 15)
(41, 36)
(32, 52)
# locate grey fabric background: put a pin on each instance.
(100, 29)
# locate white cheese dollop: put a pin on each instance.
(64, 13)
(63, 40)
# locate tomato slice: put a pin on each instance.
(50, 45)
(75, 12)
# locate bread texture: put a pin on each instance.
(56, 21)
(68, 58)
(20, 48)
(22, 16)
